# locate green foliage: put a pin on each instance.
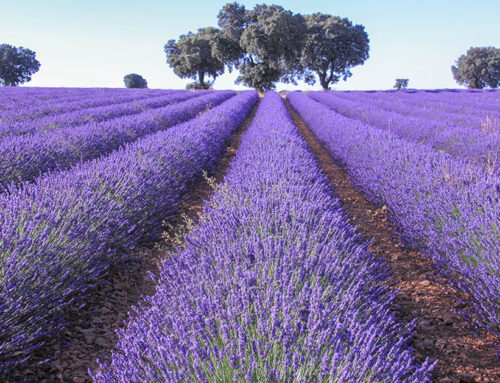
(17, 65)
(191, 56)
(478, 68)
(260, 76)
(134, 80)
(331, 47)
(263, 43)
(401, 83)
(232, 19)
(270, 44)
(197, 86)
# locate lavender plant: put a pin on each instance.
(443, 206)
(273, 284)
(59, 235)
(24, 158)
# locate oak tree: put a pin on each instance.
(17, 65)
(133, 80)
(191, 56)
(331, 47)
(478, 68)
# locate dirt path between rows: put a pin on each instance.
(91, 335)
(464, 355)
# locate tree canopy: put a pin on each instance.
(268, 44)
(17, 65)
(401, 83)
(263, 43)
(478, 68)
(331, 47)
(133, 80)
(191, 56)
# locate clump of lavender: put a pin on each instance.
(60, 234)
(273, 285)
(25, 157)
(443, 205)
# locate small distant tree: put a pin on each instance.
(191, 56)
(133, 80)
(401, 83)
(17, 65)
(478, 68)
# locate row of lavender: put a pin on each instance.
(51, 107)
(468, 142)
(12, 98)
(466, 112)
(84, 115)
(443, 205)
(24, 158)
(60, 234)
(272, 285)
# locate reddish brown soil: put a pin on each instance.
(91, 335)
(464, 355)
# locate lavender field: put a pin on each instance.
(273, 282)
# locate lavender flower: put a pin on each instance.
(444, 206)
(60, 234)
(273, 285)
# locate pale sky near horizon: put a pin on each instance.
(94, 43)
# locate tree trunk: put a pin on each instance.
(322, 81)
(201, 77)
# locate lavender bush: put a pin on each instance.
(446, 207)
(82, 116)
(463, 142)
(59, 235)
(272, 286)
(26, 157)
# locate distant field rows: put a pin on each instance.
(467, 142)
(47, 109)
(87, 115)
(17, 99)
(467, 113)
(26, 157)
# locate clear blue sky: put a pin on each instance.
(94, 43)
